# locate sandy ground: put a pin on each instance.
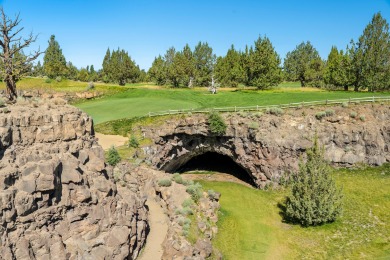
(158, 231)
(106, 141)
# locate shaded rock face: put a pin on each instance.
(269, 147)
(57, 197)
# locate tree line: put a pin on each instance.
(364, 64)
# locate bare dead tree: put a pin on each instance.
(14, 62)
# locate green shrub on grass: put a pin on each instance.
(315, 198)
(164, 183)
(113, 156)
(195, 190)
(217, 124)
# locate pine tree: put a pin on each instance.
(304, 64)
(336, 69)
(157, 72)
(106, 68)
(314, 198)
(204, 60)
(264, 68)
(54, 63)
(371, 56)
(229, 70)
(113, 157)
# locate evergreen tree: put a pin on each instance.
(336, 69)
(172, 67)
(38, 70)
(304, 64)
(204, 60)
(371, 56)
(187, 62)
(72, 71)
(264, 63)
(157, 72)
(113, 157)
(106, 68)
(54, 63)
(118, 67)
(229, 70)
(314, 198)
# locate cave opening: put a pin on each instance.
(215, 162)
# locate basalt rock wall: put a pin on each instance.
(58, 199)
(269, 146)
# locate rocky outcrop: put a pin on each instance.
(58, 199)
(176, 244)
(269, 146)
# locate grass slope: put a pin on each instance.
(251, 227)
(139, 101)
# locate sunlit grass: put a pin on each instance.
(251, 226)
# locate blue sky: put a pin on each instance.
(147, 28)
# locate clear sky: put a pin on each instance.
(147, 28)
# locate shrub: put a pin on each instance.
(195, 190)
(90, 86)
(133, 142)
(275, 111)
(48, 80)
(344, 104)
(113, 156)
(2, 103)
(320, 115)
(185, 211)
(253, 125)
(58, 79)
(187, 203)
(329, 112)
(164, 183)
(216, 123)
(353, 114)
(177, 178)
(362, 118)
(258, 114)
(314, 197)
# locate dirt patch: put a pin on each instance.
(106, 141)
(158, 231)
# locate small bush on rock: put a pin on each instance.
(133, 142)
(90, 86)
(195, 190)
(277, 111)
(164, 183)
(320, 115)
(216, 123)
(353, 114)
(113, 156)
(329, 112)
(314, 198)
(177, 178)
(2, 103)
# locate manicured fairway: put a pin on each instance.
(251, 227)
(140, 101)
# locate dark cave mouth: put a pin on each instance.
(215, 162)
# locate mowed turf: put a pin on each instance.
(140, 101)
(251, 226)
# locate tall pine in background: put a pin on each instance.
(54, 62)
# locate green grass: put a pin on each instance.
(141, 101)
(251, 227)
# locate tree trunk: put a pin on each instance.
(346, 88)
(356, 88)
(10, 88)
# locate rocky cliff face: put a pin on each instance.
(269, 146)
(57, 197)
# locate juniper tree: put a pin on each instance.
(14, 63)
(54, 62)
(315, 198)
(304, 64)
